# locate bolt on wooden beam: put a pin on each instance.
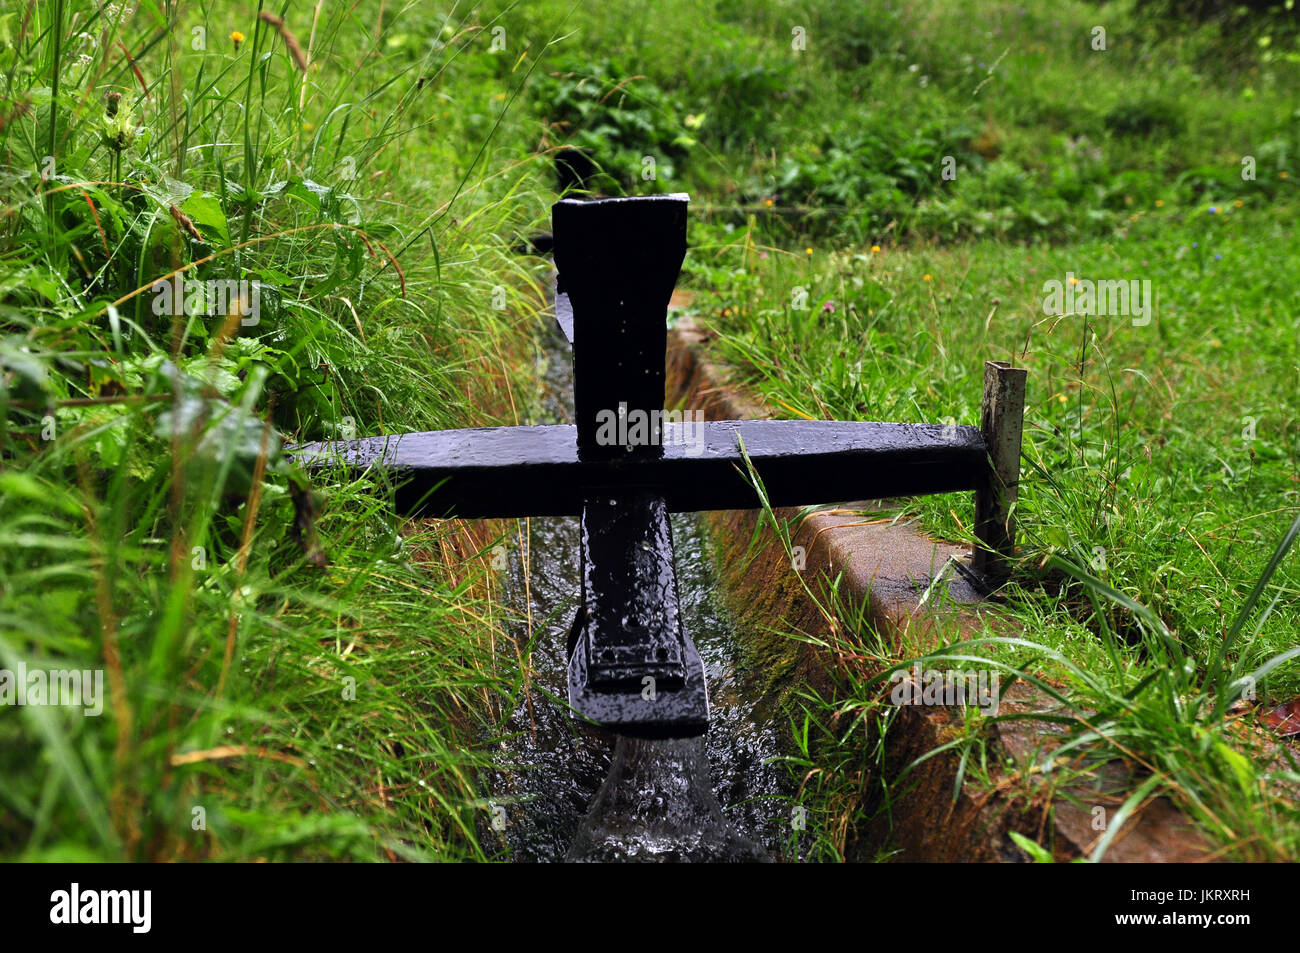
(1002, 415)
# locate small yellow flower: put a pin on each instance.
(1239, 203)
(808, 251)
(1061, 399)
(1074, 280)
(1215, 342)
(236, 37)
(1160, 203)
(767, 202)
(1283, 174)
(926, 277)
(875, 249)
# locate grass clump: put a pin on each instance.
(208, 251)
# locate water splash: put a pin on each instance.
(657, 805)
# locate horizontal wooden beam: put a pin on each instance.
(537, 471)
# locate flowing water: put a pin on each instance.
(567, 791)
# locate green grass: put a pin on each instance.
(153, 528)
(292, 672)
(1161, 458)
(1136, 435)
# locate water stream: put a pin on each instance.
(567, 791)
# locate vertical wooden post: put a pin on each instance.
(618, 261)
(632, 666)
(1002, 416)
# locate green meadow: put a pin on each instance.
(226, 228)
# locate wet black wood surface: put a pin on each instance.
(537, 471)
